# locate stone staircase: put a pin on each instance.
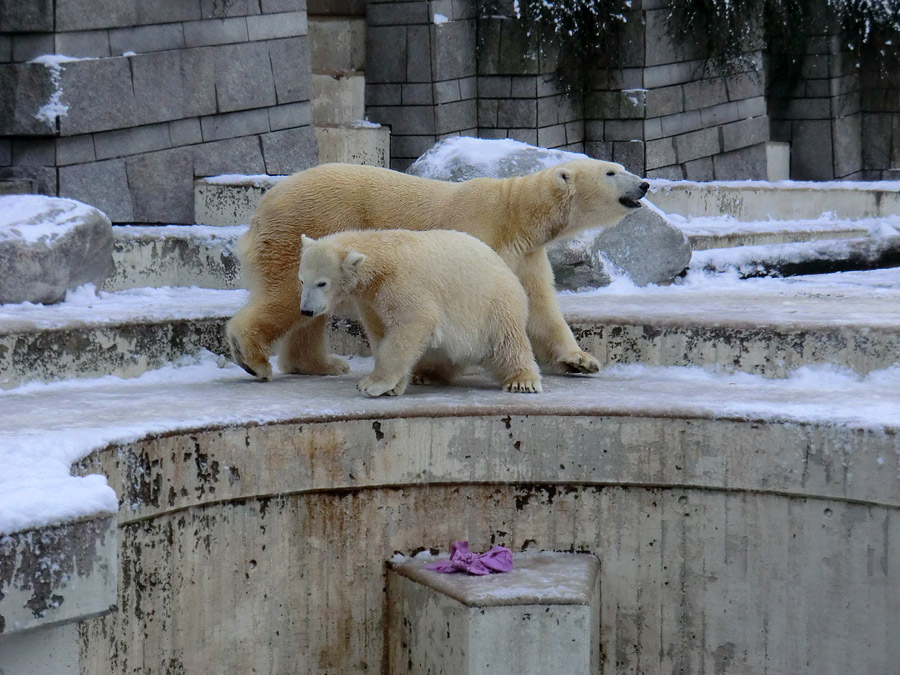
(669, 457)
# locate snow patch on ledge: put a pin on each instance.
(253, 180)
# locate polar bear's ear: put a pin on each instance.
(353, 260)
(306, 241)
(563, 176)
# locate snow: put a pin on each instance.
(87, 306)
(32, 218)
(364, 124)
(440, 18)
(54, 108)
(202, 232)
(487, 154)
(253, 180)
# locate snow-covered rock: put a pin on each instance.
(644, 246)
(50, 245)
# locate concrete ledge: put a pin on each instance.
(787, 200)
(229, 200)
(55, 575)
(775, 536)
(542, 617)
(350, 144)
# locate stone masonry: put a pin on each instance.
(660, 111)
(155, 94)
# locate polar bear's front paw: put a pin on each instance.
(579, 362)
(524, 383)
(372, 387)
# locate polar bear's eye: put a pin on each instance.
(321, 284)
(610, 173)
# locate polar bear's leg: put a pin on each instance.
(254, 329)
(512, 361)
(551, 338)
(398, 351)
(305, 350)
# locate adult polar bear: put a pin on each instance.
(517, 217)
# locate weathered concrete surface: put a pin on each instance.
(542, 617)
(789, 200)
(338, 97)
(217, 202)
(176, 255)
(737, 522)
(726, 542)
(351, 144)
(55, 575)
(56, 245)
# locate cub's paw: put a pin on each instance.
(524, 383)
(579, 362)
(372, 387)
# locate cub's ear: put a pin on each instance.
(352, 261)
(306, 241)
(563, 176)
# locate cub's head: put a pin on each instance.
(327, 270)
(601, 193)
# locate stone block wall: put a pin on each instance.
(421, 72)
(815, 104)
(155, 94)
(880, 105)
(665, 113)
(660, 111)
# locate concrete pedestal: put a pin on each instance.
(542, 617)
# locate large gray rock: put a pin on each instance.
(50, 245)
(644, 246)
(462, 157)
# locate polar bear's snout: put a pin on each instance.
(632, 199)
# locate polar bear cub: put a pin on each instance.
(431, 302)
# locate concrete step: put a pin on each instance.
(783, 493)
(360, 142)
(786, 200)
(727, 232)
(769, 327)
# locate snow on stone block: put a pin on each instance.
(542, 617)
(645, 246)
(49, 246)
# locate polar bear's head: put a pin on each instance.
(600, 193)
(326, 271)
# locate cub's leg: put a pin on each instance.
(305, 351)
(512, 361)
(398, 351)
(551, 338)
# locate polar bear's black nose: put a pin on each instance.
(644, 187)
(306, 312)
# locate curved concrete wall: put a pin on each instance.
(726, 545)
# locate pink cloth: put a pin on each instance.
(498, 559)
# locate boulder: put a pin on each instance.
(462, 157)
(50, 245)
(644, 246)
